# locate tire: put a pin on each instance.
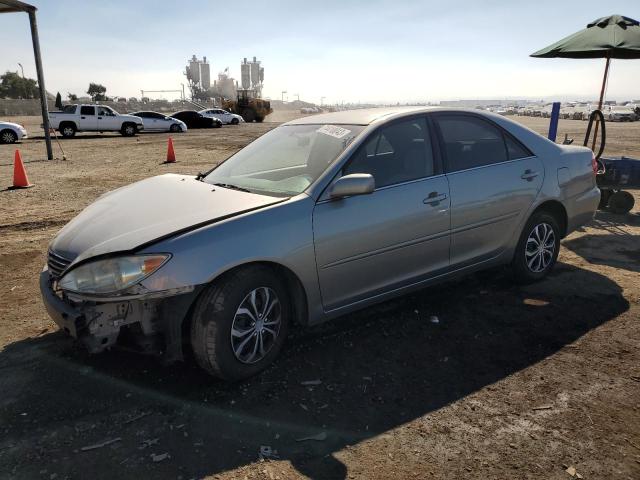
(8, 136)
(67, 130)
(527, 265)
(128, 130)
(249, 115)
(621, 202)
(259, 119)
(217, 125)
(175, 128)
(605, 195)
(235, 121)
(225, 306)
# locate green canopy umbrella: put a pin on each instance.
(607, 37)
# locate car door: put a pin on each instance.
(88, 118)
(224, 116)
(493, 180)
(107, 119)
(156, 122)
(369, 244)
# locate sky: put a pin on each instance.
(369, 51)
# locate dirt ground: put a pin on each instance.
(536, 382)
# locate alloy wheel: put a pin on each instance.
(8, 137)
(256, 325)
(540, 248)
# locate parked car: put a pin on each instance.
(157, 122)
(195, 119)
(225, 117)
(11, 132)
(319, 217)
(619, 113)
(93, 118)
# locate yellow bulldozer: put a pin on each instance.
(248, 106)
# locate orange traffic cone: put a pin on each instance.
(20, 179)
(171, 156)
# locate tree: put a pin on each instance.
(13, 85)
(58, 101)
(97, 91)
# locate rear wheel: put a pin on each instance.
(249, 115)
(621, 202)
(8, 136)
(259, 119)
(68, 130)
(239, 324)
(537, 249)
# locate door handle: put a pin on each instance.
(83, 118)
(99, 118)
(434, 198)
(529, 175)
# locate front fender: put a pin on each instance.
(280, 234)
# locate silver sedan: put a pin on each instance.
(319, 217)
(158, 122)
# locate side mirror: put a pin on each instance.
(354, 184)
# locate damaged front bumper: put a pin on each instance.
(150, 322)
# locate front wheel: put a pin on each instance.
(8, 136)
(235, 121)
(128, 130)
(175, 128)
(239, 323)
(537, 249)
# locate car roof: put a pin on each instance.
(367, 116)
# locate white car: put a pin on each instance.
(158, 122)
(11, 132)
(222, 115)
(617, 113)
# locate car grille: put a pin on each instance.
(57, 264)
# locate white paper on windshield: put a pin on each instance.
(333, 131)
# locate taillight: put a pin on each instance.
(594, 164)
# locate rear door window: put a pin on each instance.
(471, 142)
(87, 110)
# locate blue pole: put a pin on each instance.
(553, 124)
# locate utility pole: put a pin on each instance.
(322, 100)
(21, 68)
(283, 92)
(297, 95)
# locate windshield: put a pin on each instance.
(286, 160)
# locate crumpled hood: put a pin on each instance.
(142, 212)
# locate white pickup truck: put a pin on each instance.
(93, 118)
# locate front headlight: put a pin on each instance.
(111, 274)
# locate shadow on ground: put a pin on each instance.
(379, 368)
(615, 247)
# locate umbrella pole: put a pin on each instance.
(604, 86)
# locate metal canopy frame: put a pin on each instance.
(15, 6)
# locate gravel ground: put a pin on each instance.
(511, 382)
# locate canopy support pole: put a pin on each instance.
(604, 87)
(43, 91)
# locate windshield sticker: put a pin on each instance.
(333, 131)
